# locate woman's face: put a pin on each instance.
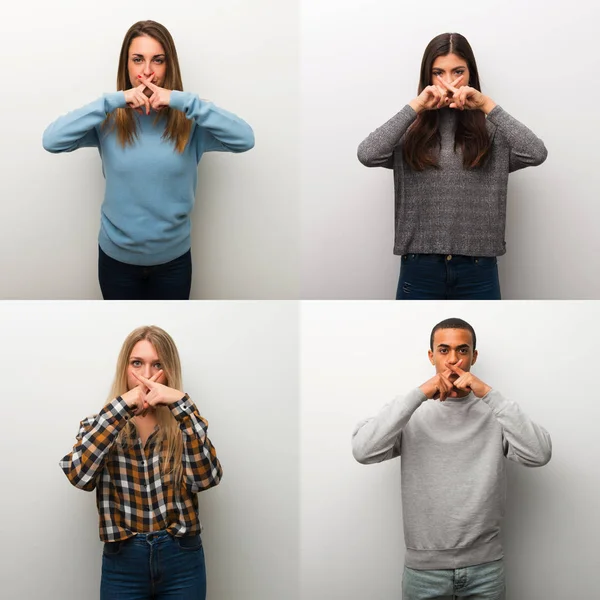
(146, 56)
(143, 361)
(450, 67)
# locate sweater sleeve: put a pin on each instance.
(84, 464)
(201, 467)
(378, 438)
(377, 150)
(526, 149)
(524, 441)
(77, 129)
(220, 130)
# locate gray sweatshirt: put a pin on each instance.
(453, 471)
(452, 210)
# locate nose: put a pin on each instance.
(147, 371)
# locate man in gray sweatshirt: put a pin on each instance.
(453, 434)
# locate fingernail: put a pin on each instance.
(139, 76)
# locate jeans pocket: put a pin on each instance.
(189, 543)
(112, 548)
(486, 262)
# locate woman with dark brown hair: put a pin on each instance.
(451, 150)
(151, 136)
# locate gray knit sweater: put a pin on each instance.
(452, 210)
(453, 471)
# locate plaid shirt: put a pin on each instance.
(131, 494)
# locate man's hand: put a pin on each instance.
(468, 382)
(439, 386)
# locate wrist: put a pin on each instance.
(488, 105)
(415, 105)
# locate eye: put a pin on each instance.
(157, 365)
(136, 363)
(159, 61)
(137, 59)
(443, 350)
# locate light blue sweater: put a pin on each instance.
(150, 187)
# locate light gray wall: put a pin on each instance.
(240, 366)
(241, 55)
(356, 357)
(360, 66)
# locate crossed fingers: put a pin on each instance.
(149, 384)
(147, 82)
(459, 95)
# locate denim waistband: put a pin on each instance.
(450, 258)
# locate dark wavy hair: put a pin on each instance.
(423, 140)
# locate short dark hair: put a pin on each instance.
(453, 323)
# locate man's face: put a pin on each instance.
(453, 346)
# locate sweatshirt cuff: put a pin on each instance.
(495, 400)
(415, 398)
(179, 99)
(496, 114)
(113, 101)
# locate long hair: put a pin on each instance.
(169, 434)
(423, 139)
(177, 127)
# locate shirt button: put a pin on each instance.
(449, 257)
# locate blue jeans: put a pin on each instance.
(448, 277)
(154, 566)
(169, 281)
(480, 582)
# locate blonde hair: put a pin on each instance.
(178, 127)
(169, 434)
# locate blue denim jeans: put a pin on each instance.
(154, 566)
(169, 281)
(479, 582)
(448, 277)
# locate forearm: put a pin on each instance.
(234, 133)
(85, 462)
(525, 147)
(377, 149)
(374, 440)
(76, 129)
(202, 469)
(526, 442)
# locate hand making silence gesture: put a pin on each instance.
(451, 95)
(148, 95)
(150, 393)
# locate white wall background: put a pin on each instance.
(360, 66)
(240, 366)
(241, 55)
(356, 357)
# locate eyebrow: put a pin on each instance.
(155, 56)
(140, 358)
(455, 68)
(457, 347)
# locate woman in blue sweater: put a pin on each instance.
(451, 149)
(151, 136)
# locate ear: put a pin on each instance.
(475, 355)
(430, 354)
